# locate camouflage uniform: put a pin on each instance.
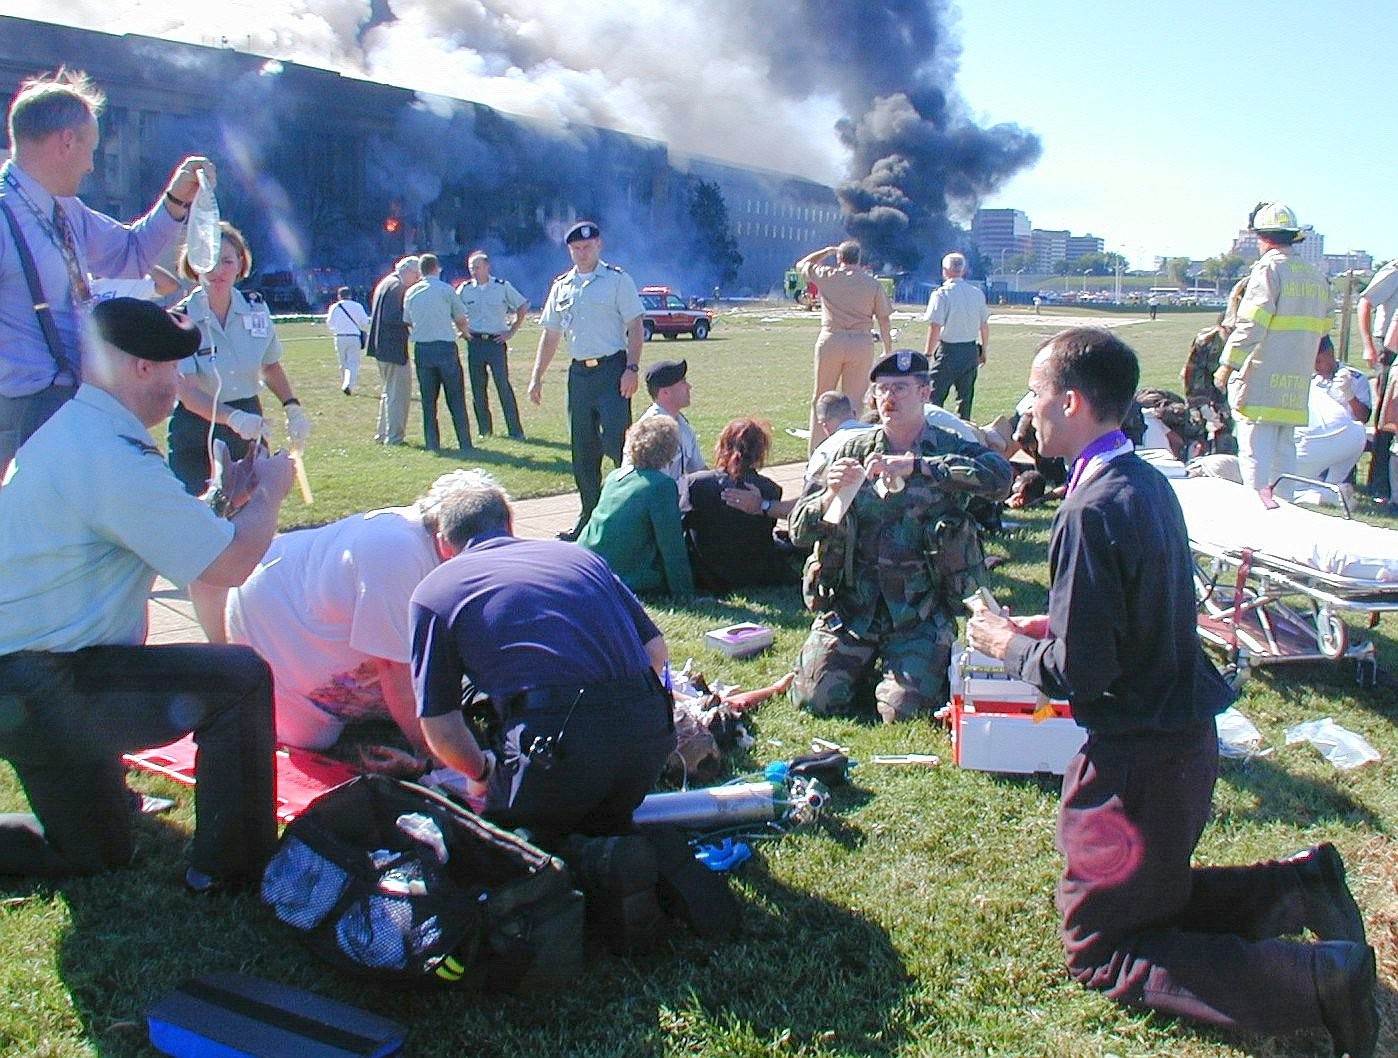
(1210, 402)
(888, 580)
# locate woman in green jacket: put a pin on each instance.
(636, 526)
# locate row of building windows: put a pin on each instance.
(812, 214)
(776, 231)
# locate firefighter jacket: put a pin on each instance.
(1281, 318)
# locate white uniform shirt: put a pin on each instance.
(347, 319)
(89, 515)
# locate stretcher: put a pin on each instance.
(1272, 585)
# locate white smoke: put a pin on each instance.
(688, 73)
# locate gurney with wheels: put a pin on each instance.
(1272, 585)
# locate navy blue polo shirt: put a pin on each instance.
(515, 614)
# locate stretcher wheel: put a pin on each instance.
(1331, 635)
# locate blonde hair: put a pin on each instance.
(652, 443)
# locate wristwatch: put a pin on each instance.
(632, 367)
(766, 506)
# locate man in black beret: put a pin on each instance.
(895, 551)
(669, 388)
(90, 513)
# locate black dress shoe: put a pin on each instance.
(1345, 976)
(570, 535)
(1330, 912)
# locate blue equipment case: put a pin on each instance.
(232, 1015)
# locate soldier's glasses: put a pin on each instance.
(893, 389)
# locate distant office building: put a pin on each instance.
(1354, 261)
(1311, 249)
(1081, 245)
(998, 233)
(1048, 247)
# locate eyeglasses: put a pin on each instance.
(893, 389)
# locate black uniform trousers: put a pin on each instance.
(188, 442)
(598, 417)
(954, 366)
(439, 372)
(1143, 926)
(66, 719)
(488, 354)
(578, 760)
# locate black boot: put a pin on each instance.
(691, 892)
(617, 875)
(1345, 976)
(1330, 910)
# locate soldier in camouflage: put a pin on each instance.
(888, 572)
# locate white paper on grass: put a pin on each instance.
(1238, 736)
(1341, 747)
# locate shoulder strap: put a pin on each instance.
(36, 292)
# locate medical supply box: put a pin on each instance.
(741, 640)
(992, 720)
(233, 1015)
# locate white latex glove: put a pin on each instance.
(476, 789)
(245, 424)
(298, 424)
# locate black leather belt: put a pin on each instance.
(598, 361)
(547, 699)
(488, 337)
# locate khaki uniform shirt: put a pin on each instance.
(849, 296)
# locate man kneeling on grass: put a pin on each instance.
(580, 725)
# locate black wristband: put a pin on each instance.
(290, 401)
(178, 201)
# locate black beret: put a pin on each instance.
(664, 373)
(145, 330)
(900, 362)
(583, 229)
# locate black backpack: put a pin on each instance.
(360, 877)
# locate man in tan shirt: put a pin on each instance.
(850, 297)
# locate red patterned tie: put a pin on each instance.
(82, 293)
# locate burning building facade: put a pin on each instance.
(323, 170)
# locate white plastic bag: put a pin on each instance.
(1238, 736)
(1340, 747)
(203, 241)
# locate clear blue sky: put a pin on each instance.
(1162, 124)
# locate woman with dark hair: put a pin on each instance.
(729, 548)
(636, 526)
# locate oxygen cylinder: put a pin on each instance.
(713, 808)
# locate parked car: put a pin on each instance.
(666, 313)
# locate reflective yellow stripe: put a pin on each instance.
(1312, 324)
(1258, 313)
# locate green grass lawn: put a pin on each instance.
(916, 920)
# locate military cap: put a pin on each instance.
(583, 229)
(900, 362)
(145, 330)
(665, 373)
